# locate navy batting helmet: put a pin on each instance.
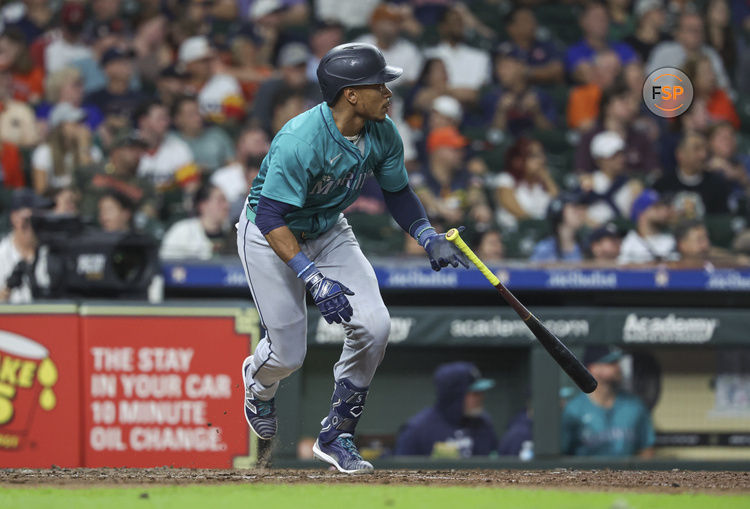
(350, 65)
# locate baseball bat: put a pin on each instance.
(564, 357)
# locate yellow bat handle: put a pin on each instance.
(453, 236)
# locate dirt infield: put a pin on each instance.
(674, 481)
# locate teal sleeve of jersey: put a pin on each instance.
(289, 170)
(391, 175)
(568, 430)
(646, 435)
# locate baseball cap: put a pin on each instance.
(73, 14)
(194, 48)
(116, 54)
(172, 71)
(479, 384)
(606, 144)
(262, 8)
(65, 112)
(644, 6)
(129, 138)
(607, 230)
(15, 34)
(448, 106)
(566, 392)
(26, 198)
(247, 31)
(445, 137)
(646, 199)
(602, 354)
(557, 205)
(106, 28)
(462, 374)
(293, 54)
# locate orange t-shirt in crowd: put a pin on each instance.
(11, 166)
(28, 86)
(250, 88)
(583, 105)
(720, 107)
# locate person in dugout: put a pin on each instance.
(456, 425)
(609, 421)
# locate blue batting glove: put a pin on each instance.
(441, 251)
(330, 297)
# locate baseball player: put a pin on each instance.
(292, 238)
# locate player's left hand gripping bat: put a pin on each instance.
(564, 357)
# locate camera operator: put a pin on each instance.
(18, 248)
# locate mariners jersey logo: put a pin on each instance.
(349, 180)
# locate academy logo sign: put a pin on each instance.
(668, 329)
(497, 327)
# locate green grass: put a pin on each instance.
(311, 496)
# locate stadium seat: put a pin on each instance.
(554, 140)
(519, 244)
(743, 110)
(722, 228)
(376, 233)
(561, 20)
(559, 94)
(4, 208)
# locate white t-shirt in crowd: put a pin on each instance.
(402, 53)
(600, 211)
(160, 166)
(349, 14)
(671, 54)
(231, 180)
(41, 159)
(467, 67)
(186, 239)
(407, 138)
(60, 54)
(9, 258)
(533, 198)
(213, 94)
(637, 249)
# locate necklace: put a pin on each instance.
(354, 139)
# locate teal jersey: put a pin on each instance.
(312, 166)
(591, 430)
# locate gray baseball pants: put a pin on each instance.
(280, 299)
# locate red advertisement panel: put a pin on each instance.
(163, 390)
(40, 421)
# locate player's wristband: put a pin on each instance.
(424, 233)
(302, 265)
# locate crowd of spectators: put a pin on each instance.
(521, 119)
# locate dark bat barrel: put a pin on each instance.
(564, 357)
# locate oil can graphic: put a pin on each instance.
(27, 378)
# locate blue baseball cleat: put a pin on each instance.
(342, 454)
(260, 415)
